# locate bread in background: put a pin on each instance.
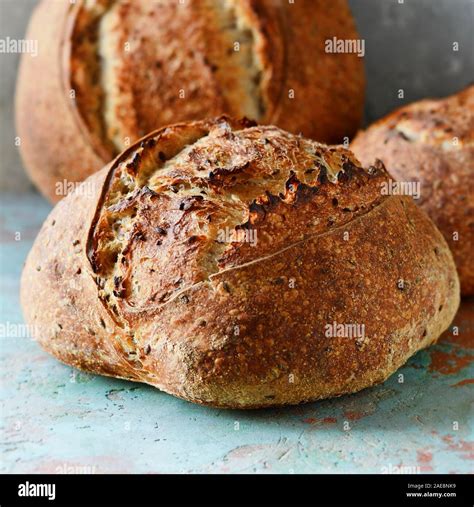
(110, 71)
(432, 141)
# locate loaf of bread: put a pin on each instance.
(238, 266)
(110, 71)
(431, 142)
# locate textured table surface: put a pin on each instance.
(57, 420)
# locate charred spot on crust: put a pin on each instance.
(257, 212)
(190, 202)
(349, 170)
(225, 172)
(323, 174)
(132, 165)
(271, 199)
(148, 143)
(377, 168)
(297, 192)
(193, 239)
(292, 183)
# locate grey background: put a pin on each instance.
(408, 46)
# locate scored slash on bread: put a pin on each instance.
(169, 200)
(132, 280)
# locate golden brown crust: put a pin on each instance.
(130, 277)
(51, 141)
(136, 66)
(432, 141)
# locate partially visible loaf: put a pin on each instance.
(238, 266)
(110, 71)
(432, 142)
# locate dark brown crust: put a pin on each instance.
(63, 139)
(251, 332)
(328, 88)
(432, 141)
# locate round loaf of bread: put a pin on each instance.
(110, 71)
(431, 143)
(238, 266)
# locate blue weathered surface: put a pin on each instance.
(58, 420)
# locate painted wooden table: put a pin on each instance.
(58, 420)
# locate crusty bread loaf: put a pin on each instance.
(432, 142)
(218, 261)
(110, 71)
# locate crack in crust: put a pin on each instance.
(86, 76)
(188, 199)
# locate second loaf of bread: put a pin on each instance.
(431, 143)
(110, 71)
